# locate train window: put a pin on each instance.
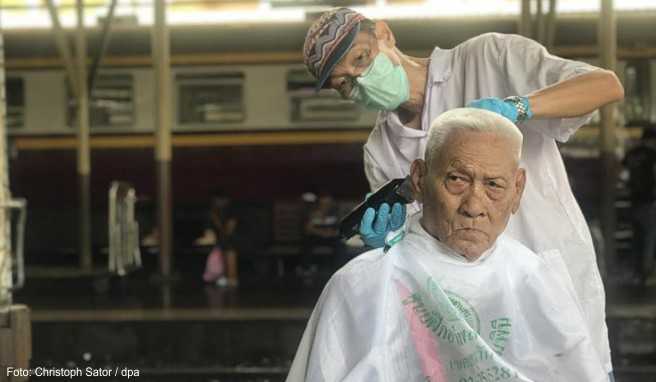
(307, 105)
(15, 90)
(210, 99)
(111, 102)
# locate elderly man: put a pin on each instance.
(457, 299)
(548, 97)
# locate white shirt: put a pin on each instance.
(423, 313)
(497, 65)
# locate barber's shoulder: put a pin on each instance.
(485, 39)
(495, 43)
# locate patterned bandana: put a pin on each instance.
(328, 40)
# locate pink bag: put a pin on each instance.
(213, 266)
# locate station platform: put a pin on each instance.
(191, 331)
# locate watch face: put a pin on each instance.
(520, 106)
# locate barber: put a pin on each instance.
(548, 97)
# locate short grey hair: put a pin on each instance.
(470, 119)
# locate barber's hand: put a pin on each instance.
(509, 108)
(374, 226)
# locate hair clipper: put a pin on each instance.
(395, 191)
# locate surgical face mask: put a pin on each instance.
(383, 86)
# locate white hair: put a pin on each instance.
(470, 119)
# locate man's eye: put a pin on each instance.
(495, 190)
(362, 58)
(341, 85)
(345, 87)
(455, 183)
(494, 184)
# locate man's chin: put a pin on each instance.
(468, 248)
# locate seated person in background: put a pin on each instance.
(457, 299)
(221, 234)
(640, 163)
(320, 232)
(321, 224)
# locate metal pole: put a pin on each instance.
(162, 61)
(104, 43)
(539, 16)
(83, 148)
(525, 19)
(62, 46)
(608, 142)
(5, 247)
(551, 25)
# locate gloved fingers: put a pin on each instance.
(477, 103)
(382, 219)
(491, 104)
(496, 105)
(398, 216)
(366, 224)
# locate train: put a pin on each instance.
(246, 118)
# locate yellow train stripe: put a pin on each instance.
(196, 140)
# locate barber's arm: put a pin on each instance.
(576, 96)
(543, 86)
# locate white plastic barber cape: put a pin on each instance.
(497, 65)
(423, 313)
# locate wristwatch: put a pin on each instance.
(522, 106)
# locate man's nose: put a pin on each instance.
(473, 202)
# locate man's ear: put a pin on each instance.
(520, 182)
(384, 34)
(417, 173)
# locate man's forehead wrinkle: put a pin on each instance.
(478, 168)
(458, 165)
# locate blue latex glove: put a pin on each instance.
(504, 107)
(374, 227)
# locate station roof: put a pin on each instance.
(279, 26)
